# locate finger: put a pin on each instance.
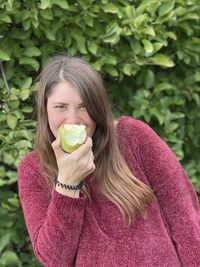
(91, 167)
(91, 155)
(89, 141)
(83, 149)
(56, 145)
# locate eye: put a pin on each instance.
(82, 107)
(60, 106)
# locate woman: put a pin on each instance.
(136, 208)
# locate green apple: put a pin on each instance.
(72, 136)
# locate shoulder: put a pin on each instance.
(133, 136)
(30, 161)
(140, 137)
(130, 127)
(139, 134)
(29, 171)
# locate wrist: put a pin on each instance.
(69, 186)
(68, 180)
(68, 193)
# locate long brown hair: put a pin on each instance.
(112, 175)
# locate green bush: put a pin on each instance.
(149, 55)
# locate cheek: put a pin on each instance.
(54, 122)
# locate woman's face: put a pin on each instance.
(64, 105)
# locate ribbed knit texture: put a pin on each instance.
(69, 232)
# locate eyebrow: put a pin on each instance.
(66, 104)
(62, 103)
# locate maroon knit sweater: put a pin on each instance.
(69, 232)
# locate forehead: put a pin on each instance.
(64, 91)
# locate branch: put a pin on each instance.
(4, 77)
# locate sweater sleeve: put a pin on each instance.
(54, 221)
(174, 192)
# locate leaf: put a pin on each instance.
(67, 39)
(197, 75)
(89, 21)
(26, 83)
(196, 98)
(140, 61)
(32, 51)
(34, 18)
(111, 70)
(138, 21)
(110, 8)
(25, 14)
(112, 29)
(26, 24)
(171, 35)
(85, 4)
(23, 144)
(166, 8)
(127, 69)
(130, 11)
(27, 109)
(10, 5)
(160, 117)
(164, 86)
(171, 127)
(92, 47)
(29, 61)
(81, 42)
(4, 55)
(46, 14)
(149, 79)
(50, 34)
(11, 120)
(108, 60)
(152, 7)
(162, 60)
(14, 104)
(190, 16)
(2, 120)
(97, 65)
(10, 258)
(127, 31)
(4, 241)
(148, 30)
(114, 39)
(5, 18)
(177, 148)
(157, 46)
(136, 47)
(19, 34)
(24, 94)
(113, 32)
(45, 4)
(61, 3)
(147, 46)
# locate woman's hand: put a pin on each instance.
(74, 167)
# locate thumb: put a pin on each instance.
(56, 145)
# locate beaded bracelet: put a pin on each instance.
(69, 187)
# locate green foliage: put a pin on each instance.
(149, 55)
(15, 249)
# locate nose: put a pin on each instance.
(72, 116)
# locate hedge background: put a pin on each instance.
(149, 55)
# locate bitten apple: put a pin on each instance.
(72, 136)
